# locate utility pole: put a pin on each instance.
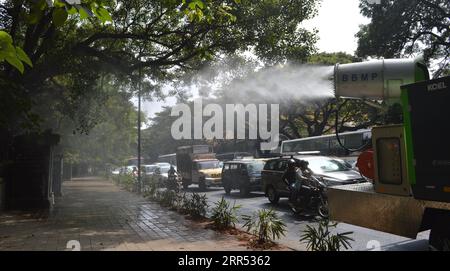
(139, 131)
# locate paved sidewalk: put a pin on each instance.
(101, 216)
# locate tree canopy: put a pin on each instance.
(407, 27)
(66, 52)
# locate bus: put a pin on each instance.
(328, 144)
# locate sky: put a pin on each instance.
(337, 21)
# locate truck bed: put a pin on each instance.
(360, 205)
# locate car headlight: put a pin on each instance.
(330, 182)
(253, 179)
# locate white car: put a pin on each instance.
(127, 170)
(163, 164)
(150, 169)
(115, 171)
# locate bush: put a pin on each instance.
(150, 189)
(128, 181)
(322, 239)
(224, 215)
(179, 203)
(196, 205)
(146, 184)
(159, 196)
(265, 224)
(168, 198)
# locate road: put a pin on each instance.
(363, 237)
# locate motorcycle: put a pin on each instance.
(172, 183)
(309, 199)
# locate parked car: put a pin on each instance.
(150, 169)
(115, 171)
(333, 171)
(162, 164)
(244, 175)
(127, 170)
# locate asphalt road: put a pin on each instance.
(364, 239)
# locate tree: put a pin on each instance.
(36, 14)
(406, 27)
(162, 40)
(110, 142)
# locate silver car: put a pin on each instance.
(333, 170)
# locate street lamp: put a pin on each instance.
(139, 131)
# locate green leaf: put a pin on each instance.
(59, 16)
(9, 50)
(23, 56)
(199, 14)
(59, 4)
(5, 37)
(104, 14)
(200, 4)
(192, 5)
(83, 12)
(72, 11)
(15, 62)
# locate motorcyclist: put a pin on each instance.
(302, 186)
(172, 172)
(289, 174)
(172, 178)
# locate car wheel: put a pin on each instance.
(322, 208)
(202, 185)
(244, 191)
(272, 195)
(227, 188)
(185, 185)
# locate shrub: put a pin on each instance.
(265, 224)
(196, 205)
(150, 190)
(158, 196)
(146, 183)
(168, 198)
(224, 215)
(179, 203)
(322, 239)
(128, 181)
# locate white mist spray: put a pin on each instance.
(299, 83)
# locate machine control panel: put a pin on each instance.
(389, 159)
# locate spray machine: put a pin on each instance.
(409, 161)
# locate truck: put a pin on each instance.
(168, 158)
(197, 164)
(408, 162)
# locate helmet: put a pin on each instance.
(302, 164)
